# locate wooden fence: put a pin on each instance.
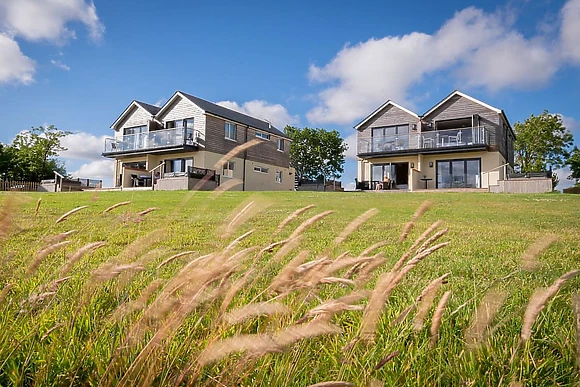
(23, 186)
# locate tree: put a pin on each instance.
(541, 141)
(574, 163)
(32, 154)
(316, 152)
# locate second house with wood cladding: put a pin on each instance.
(179, 145)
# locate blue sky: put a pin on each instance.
(77, 64)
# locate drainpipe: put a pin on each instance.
(245, 157)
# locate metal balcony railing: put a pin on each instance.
(152, 140)
(425, 140)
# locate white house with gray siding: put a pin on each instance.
(181, 145)
(461, 142)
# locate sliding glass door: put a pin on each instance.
(459, 173)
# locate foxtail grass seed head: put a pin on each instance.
(420, 211)
(38, 203)
(67, 214)
(425, 305)
(88, 248)
(539, 300)
(576, 310)
(117, 205)
(147, 211)
(530, 257)
(333, 383)
(293, 216)
(40, 255)
(255, 310)
(300, 229)
(354, 225)
(174, 257)
(295, 333)
(259, 343)
(385, 360)
(483, 317)
(437, 318)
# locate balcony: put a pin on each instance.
(439, 141)
(156, 141)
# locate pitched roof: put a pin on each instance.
(459, 93)
(227, 113)
(389, 102)
(151, 109)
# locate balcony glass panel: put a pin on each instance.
(152, 140)
(463, 137)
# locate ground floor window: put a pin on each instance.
(260, 169)
(178, 165)
(278, 176)
(464, 173)
(228, 169)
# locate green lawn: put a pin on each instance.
(119, 319)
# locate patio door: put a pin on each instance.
(464, 173)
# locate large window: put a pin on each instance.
(228, 169)
(459, 173)
(231, 131)
(390, 138)
(178, 165)
(135, 138)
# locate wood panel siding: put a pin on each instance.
(181, 109)
(389, 116)
(265, 152)
(460, 107)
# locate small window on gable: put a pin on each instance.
(260, 169)
(230, 130)
(263, 136)
(281, 144)
(228, 169)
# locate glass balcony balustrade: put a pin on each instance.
(449, 138)
(152, 140)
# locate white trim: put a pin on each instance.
(389, 102)
(133, 103)
(457, 92)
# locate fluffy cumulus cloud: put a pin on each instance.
(276, 113)
(477, 48)
(83, 158)
(35, 21)
(14, 65)
(98, 170)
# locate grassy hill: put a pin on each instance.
(237, 308)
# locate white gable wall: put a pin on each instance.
(183, 108)
(135, 117)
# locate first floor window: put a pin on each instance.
(257, 168)
(281, 144)
(264, 136)
(459, 173)
(228, 169)
(278, 176)
(231, 131)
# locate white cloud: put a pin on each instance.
(39, 20)
(36, 20)
(276, 114)
(83, 146)
(563, 176)
(14, 65)
(570, 30)
(101, 170)
(350, 141)
(573, 125)
(160, 102)
(477, 48)
(60, 65)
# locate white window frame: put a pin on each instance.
(228, 128)
(280, 141)
(260, 169)
(279, 177)
(228, 169)
(263, 136)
